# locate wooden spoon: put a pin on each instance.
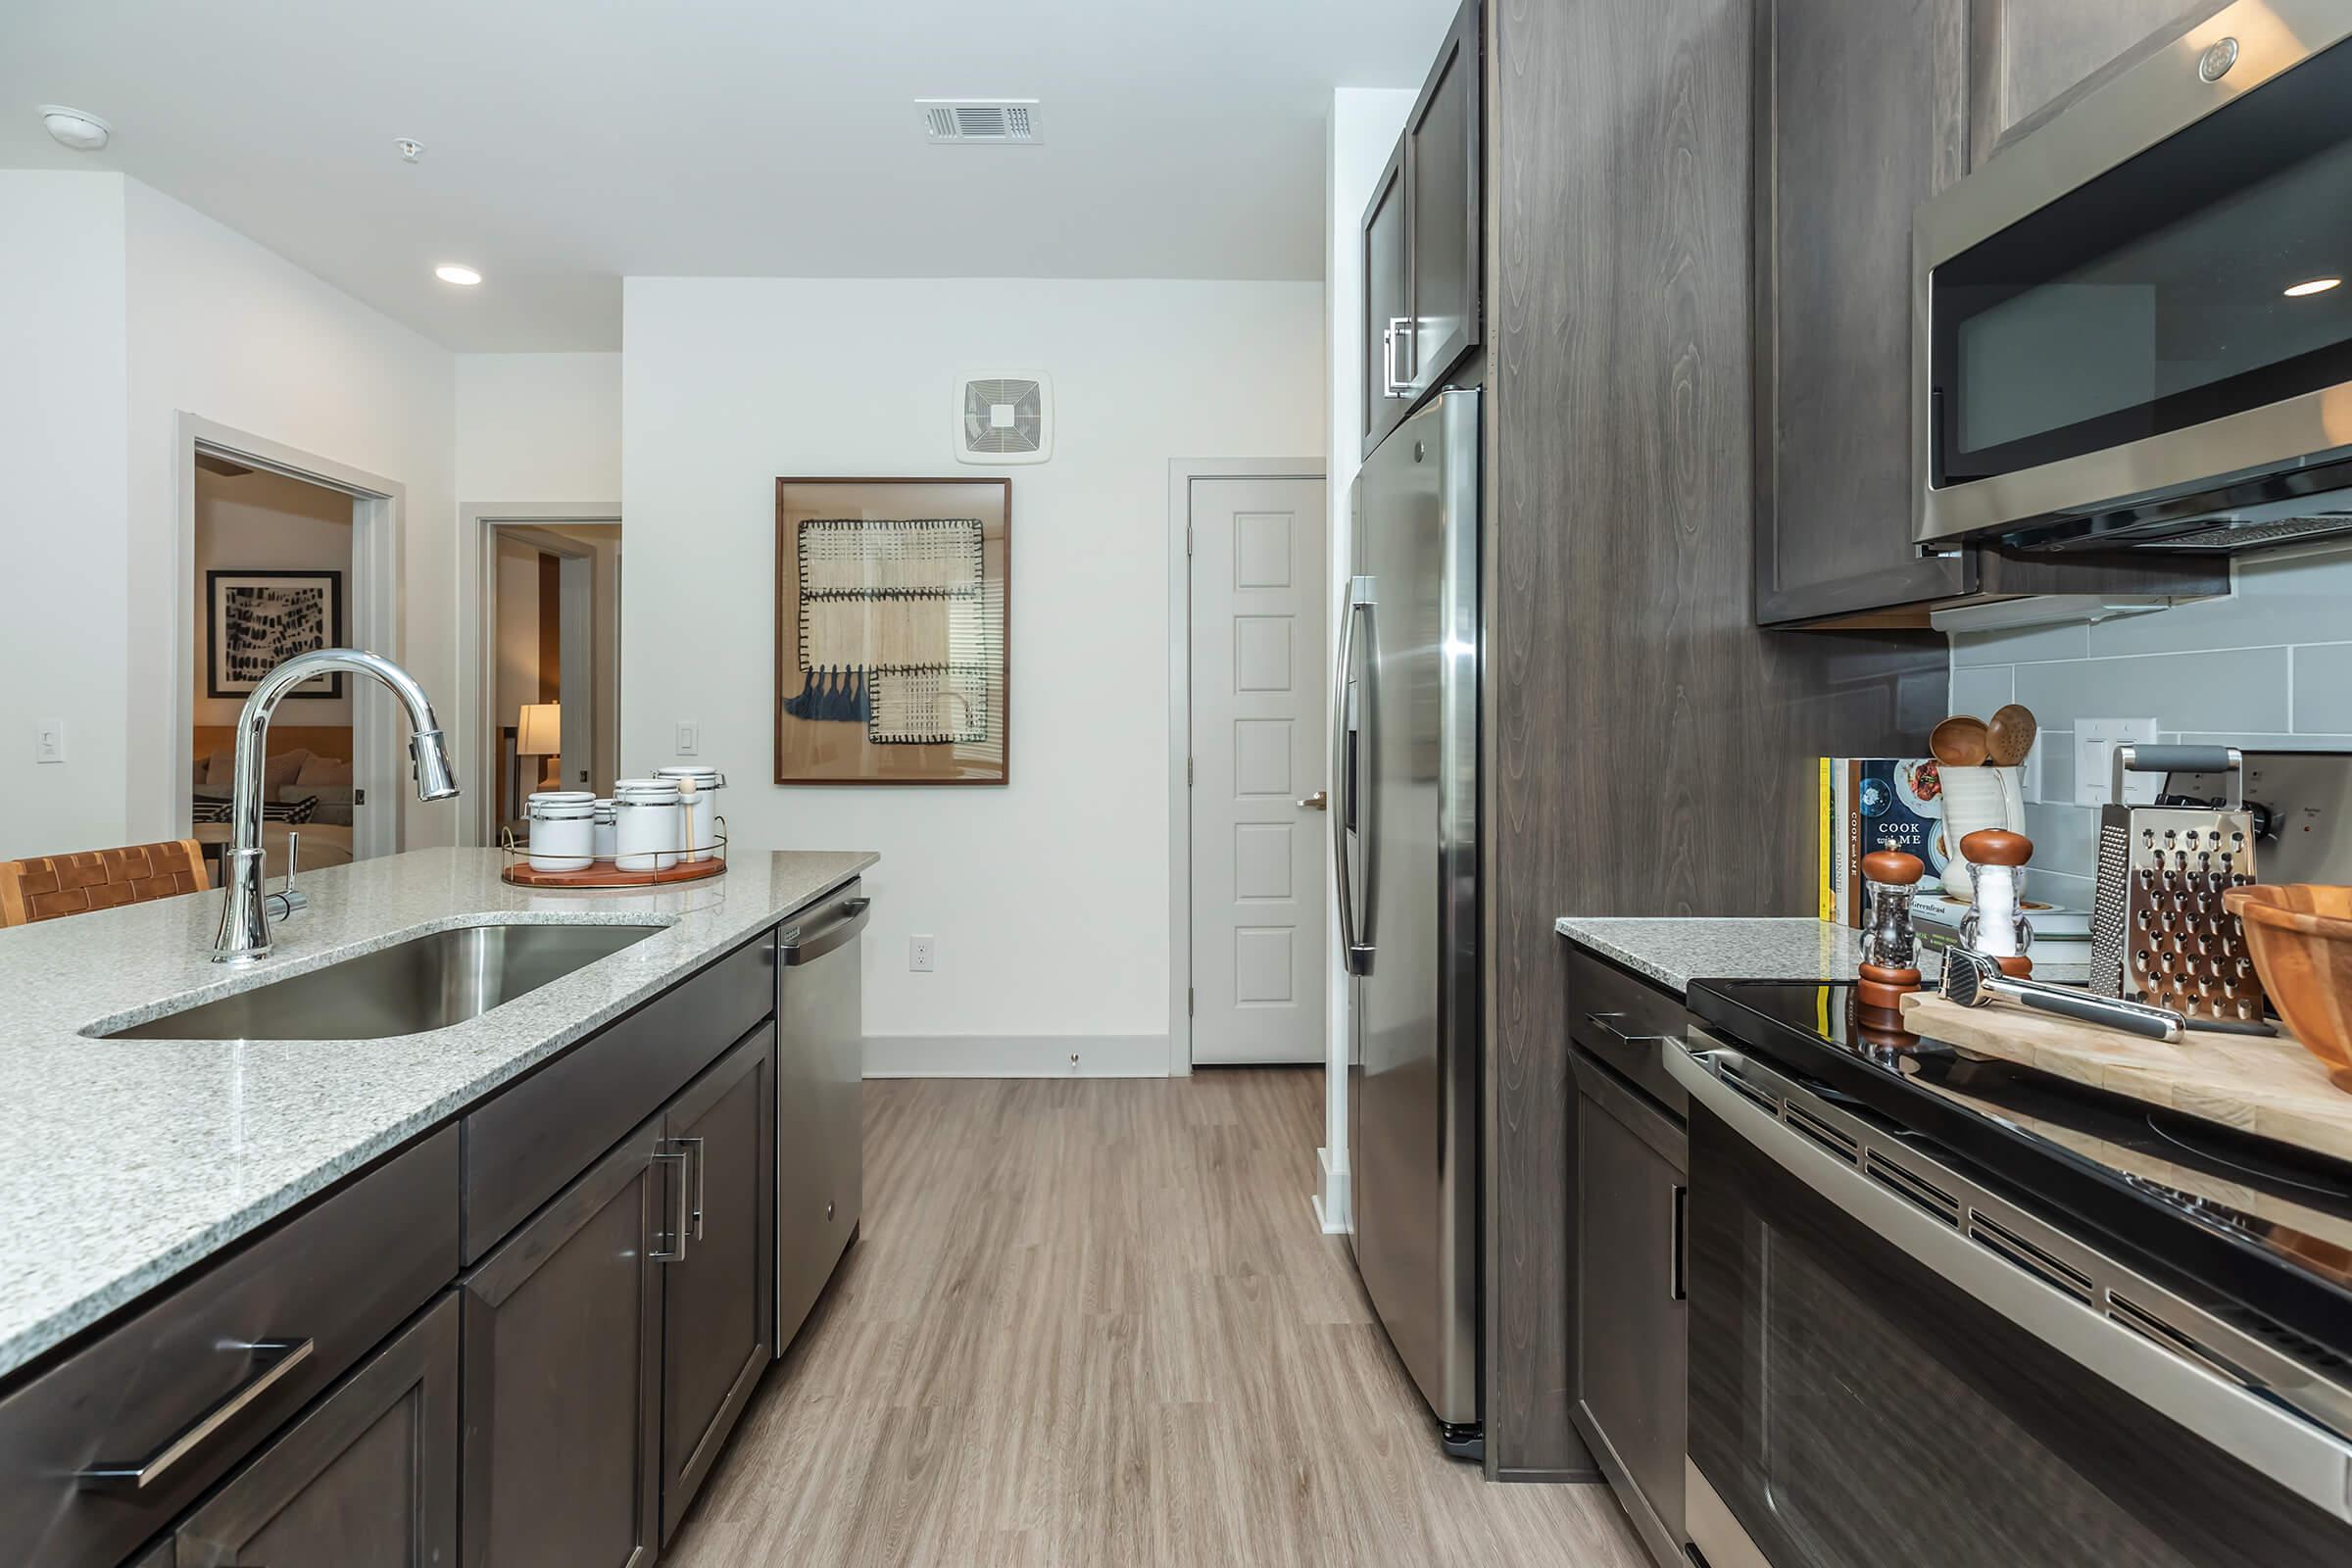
(1958, 741)
(2010, 735)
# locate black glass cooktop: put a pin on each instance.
(2242, 1218)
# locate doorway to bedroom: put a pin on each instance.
(550, 674)
(275, 575)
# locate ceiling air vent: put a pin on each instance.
(979, 119)
(1003, 417)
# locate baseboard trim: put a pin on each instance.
(1330, 1201)
(1017, 1056)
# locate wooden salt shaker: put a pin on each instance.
(1890, 948)
(1996, 860)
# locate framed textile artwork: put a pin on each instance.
(892, 600)
(256, 620)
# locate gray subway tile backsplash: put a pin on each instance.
(2268, 669)
(2323, 688)
(2240, 688)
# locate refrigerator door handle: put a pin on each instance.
(1355, 955)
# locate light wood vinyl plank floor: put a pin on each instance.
(1092, 1322)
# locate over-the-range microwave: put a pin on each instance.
(2133, 326)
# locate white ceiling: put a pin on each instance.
(569, 143)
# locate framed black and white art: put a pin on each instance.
(256, 620)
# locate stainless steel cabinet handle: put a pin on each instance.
(277, 1357)
(2240, 1420)
(1678, 1247)
(1600, 1021)
(693, 1146)
(1394, 382)
(680, 1219)
(1320, 800)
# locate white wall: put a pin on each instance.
(62, 508)
(264, 522)
(538, 427)
(1366, 122)
(1049, 898)
(221, 328)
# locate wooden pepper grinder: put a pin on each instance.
(1890, 948)
(1996, 860)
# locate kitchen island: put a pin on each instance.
(323, 1191)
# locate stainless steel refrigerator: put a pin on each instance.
(1404, 742)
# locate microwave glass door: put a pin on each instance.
(2186, 283)
(1852, 1408)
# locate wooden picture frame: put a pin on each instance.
(893, 644)
(236, 656)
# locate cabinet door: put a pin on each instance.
(718, 1299)
(562, 1363)
(1388, 304)
(1442, 156)
(1861, 114)
(367, 1477)
(1630, 1203)
(2027, 58)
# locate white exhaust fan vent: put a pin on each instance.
(979, 119)
(1003, 417)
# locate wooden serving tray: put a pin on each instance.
(2264, 1085)
(606, 874)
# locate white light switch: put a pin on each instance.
(49, 741)
(2095, 741)
(922, 953)
(690, 737)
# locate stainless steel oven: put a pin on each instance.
(2133, 326)
(1895, 1360)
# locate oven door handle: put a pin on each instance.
(2293, 1452)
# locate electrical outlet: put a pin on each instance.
(690, 737)
(49, 741)
(2095, 741)
(923, 953)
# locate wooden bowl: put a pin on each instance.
(2300, 936)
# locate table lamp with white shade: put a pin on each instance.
(540, 733)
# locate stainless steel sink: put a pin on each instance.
(427, 982)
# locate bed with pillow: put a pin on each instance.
(305, 789)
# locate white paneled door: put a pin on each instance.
(1261, 832)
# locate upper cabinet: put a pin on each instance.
(1422, 255)
(2027, 58)
(1865, 109)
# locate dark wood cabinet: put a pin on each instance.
(1441, 171)
(1423, 246)
(718, 1299)
(1865, 109)
(563, 1402)
(1388, 304)
(2029, 58)
(367, 1478)
(1632, 1193)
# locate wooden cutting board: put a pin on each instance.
(2266, 1085)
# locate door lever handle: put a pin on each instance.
(1320, 800)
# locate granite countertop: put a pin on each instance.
(1676, 952)
(130, 1160)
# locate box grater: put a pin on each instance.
(2158, 930)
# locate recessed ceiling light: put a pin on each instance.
(409, 148)
(73, 128)
(452, 273)
(2313, 285)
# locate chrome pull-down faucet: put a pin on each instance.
(244, 907)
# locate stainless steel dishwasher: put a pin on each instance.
(821, 1071)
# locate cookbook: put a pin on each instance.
(1875, 803)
